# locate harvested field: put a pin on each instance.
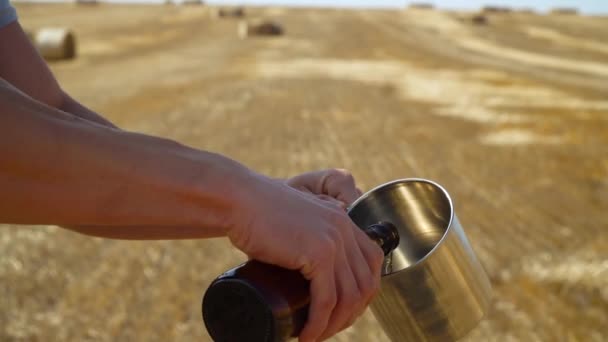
(511, 117)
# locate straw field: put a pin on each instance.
(511, 117)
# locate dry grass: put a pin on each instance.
(521, 145)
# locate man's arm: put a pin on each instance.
(56, 168)
(22, 66)
(69, 105)
(60, 168)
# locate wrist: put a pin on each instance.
(249, 191)
(221, 186)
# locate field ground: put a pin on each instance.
(511, 117)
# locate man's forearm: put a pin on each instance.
(69, 105)
(56, 168)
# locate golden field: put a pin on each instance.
(511, 117)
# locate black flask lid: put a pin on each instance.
(234, 311)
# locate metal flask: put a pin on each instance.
(433, 287)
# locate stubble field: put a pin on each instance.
(511, 117)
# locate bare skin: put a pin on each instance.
(64, 164)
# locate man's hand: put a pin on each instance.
(334, 185)
(285, 226)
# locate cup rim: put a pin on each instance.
(413, 180)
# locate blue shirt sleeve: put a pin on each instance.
(7, 13)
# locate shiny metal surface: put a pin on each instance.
(433, 287)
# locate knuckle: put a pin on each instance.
(334, 238)
(341, 174)
(368, 287)
(326, 249)
(328, 302)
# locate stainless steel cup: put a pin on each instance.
(433, 287)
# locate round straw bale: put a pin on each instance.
(564, 10)
(479, 19)
(259, 28)
(55, 43)
(232, 12)
(422, 5)
(192, 2)
(526, 10)
(87, 2)
(495, 9)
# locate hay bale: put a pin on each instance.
(259, 28)
(421, 5)
(479, 19)
(232, 12)
(87, 2)
(526, 11)
(564, 11)
(474, 19)
(495, 9)
(55, 43)
(192, 2)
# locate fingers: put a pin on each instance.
(359, 193)
(357, 276)
(323, 300)
(340, 184)
(349, 298)
(366, 258)
(332, 200)
(336, 183)
(374, 256)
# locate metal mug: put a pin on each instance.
(433, 287)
